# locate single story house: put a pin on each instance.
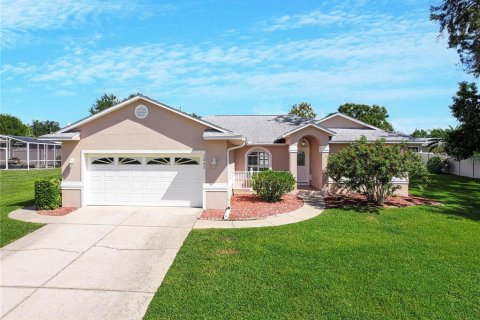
(143, 152)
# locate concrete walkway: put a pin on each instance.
(313, 206)
(95, 263)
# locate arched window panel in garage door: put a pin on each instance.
(126, 160)
(103, 161)
(158, 161)
(187, 161)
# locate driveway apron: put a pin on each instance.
(95, 263)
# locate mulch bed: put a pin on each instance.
(57, 212)
(355, 200)
(250, 206)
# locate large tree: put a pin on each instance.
(303, 109)
(461, 19)
(108, 100)
(420, 133)
(39, 128)
(374, 114)
(104, 102)
(463, 141)
(11, 125)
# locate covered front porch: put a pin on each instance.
(304, 153)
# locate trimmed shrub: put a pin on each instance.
(436, 165)
(368, 168)
(271, 186)
(48, 194)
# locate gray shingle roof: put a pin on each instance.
(217, 135)
(259, 129)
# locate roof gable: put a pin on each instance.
(340, 120)
(316, 126)
(134, 99)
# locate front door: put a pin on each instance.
(303, 164)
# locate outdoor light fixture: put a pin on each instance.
(214, 162)
(71, 161)
(303, 143)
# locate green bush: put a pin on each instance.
(270, 185)
(436, 165)
(368, 168)
(48, 194)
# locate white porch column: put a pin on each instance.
(38, 156)
(45, 155)
(7, 154)
(28, 156)
(292, 163)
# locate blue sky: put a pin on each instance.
(227, 57)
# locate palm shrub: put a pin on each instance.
(436, 164)
(48, 194)
(368, 168)
(271, 186)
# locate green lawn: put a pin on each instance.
(16, 191)
(409, 263)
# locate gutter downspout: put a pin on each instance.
(226, 215)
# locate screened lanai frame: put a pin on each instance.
(17, 152)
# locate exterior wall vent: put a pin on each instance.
(141, 111)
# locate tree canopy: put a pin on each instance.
(11, 125)
(108, 100)
(461, 19)
(104, 102)
(374, 115)
(39, 128)
(303, 109)
(432, 133)
(463, 141)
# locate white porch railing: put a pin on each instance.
(243, 179)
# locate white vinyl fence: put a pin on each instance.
(465, 168)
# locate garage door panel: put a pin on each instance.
(154, 185)
(123, 185)
(109, 185)
(137, 197)
(109, 196)
(138, 186)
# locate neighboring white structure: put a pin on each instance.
(466, 168)
(17, 152)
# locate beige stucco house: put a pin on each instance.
(143, 152)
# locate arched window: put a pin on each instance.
(258, 160)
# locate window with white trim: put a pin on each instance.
(301, 159)
(258, 160)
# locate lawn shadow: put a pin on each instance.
(21, 204)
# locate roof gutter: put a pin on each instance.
(226, 215)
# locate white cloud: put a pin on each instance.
(389, 59)
(314, 18)
(21, 17)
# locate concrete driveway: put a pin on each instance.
(95, 263)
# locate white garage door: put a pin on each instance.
(150, 180)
